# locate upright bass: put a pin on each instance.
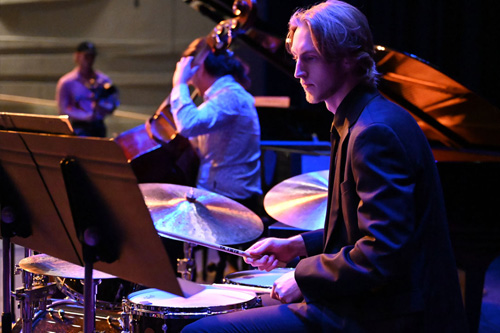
(155, 150)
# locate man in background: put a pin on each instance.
(224, 129)
(86, 95)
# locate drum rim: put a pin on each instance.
(190, 313)
(227, 279)
(195, 312)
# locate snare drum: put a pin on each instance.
(153, 310)
(256, 278)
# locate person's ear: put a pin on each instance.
(348, 63)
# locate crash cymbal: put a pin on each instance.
(46, 265)
(200, 215)
(299, 201)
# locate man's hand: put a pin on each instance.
(271, 253)
(183, 71)
(286, 290)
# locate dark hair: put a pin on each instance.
(224, 62)
(338, 30)
(87, 47)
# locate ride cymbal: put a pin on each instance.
(299, 201)
(200, 215)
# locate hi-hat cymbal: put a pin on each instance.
(299, 201)
(200, 215)
(46, 265)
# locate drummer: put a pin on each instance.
(224, 129)
(383, 262)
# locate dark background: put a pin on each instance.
(459, 37)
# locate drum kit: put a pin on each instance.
(191, 215)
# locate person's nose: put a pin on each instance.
(299, 70)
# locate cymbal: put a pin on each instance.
(299, 201)
(200, 215)
(46, 265)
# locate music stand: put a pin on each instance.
(98, 167)
(15, 212)
(35, 123)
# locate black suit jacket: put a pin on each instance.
(385, 249)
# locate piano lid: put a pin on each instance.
(446, 111)
(451, 116)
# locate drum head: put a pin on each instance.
(210, 301)
(256, 278)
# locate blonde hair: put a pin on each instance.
(338, 30)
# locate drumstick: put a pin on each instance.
(214, 246)
(259, 290)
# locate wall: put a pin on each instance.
(139, 42)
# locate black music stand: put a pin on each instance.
(35, 123)
(95, 196)
(14, 202)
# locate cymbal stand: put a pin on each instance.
(8, 229)
(33, 295)
(90, 292)
(185, 266)
(26, 309)
(126, 317)
(6, 315)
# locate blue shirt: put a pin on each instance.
(225, 131)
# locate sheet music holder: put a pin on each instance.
(106, 167)
(35, 123)
(15, 214)
(32, 163)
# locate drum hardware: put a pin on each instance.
(33, 296)
(36, 271)
(67, 316)
(185, 266)
(126, 317)
(69, 288)
(45, 266)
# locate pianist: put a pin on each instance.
(383, 262)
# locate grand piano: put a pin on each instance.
(462, 128)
